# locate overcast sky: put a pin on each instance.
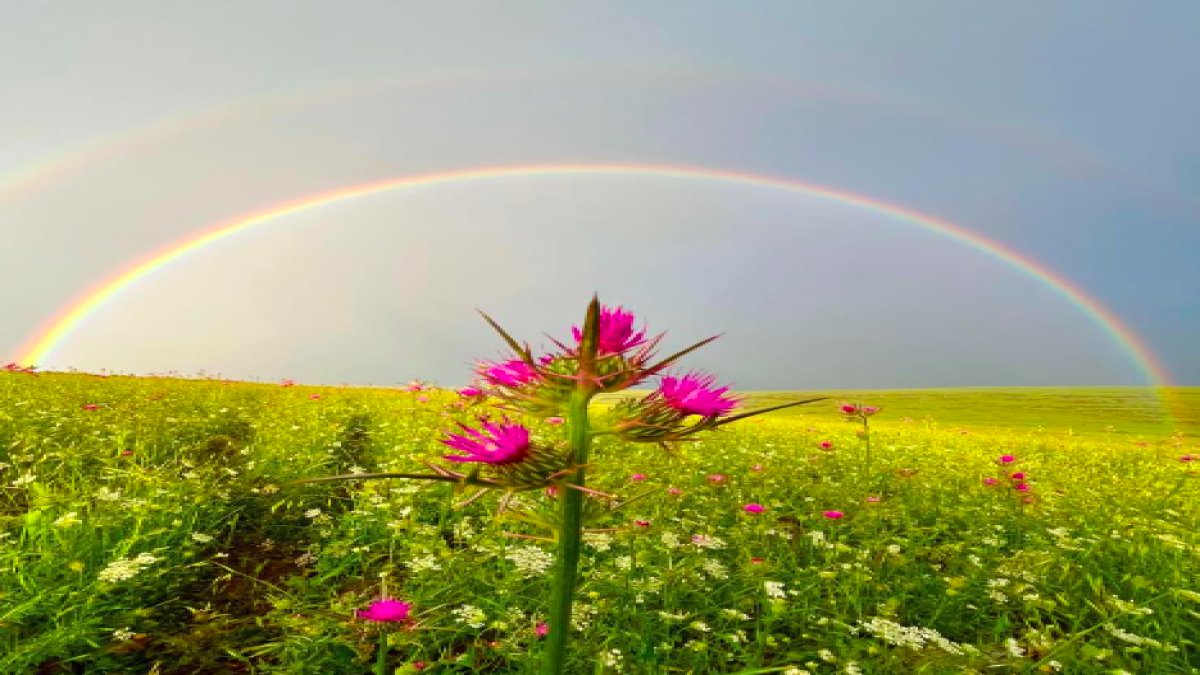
(1065, 131)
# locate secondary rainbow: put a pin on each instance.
(39, 347)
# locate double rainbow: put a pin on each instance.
(39, 348)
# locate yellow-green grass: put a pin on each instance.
(1092, 570)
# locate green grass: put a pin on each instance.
(243, 572)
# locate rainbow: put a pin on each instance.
(39, 347)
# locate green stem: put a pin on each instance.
(569, 538)
(381, 654)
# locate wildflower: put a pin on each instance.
(315, 397)
(287, 383)
(757, 468)
(716, 478)
(1021, 487)
(90, 406)
(1007, 459)
(874, 499)
(512, 374)
(674, 491)
(531, 561)
(642, 523)
(1019, 475)
(504, 443)
(638, 477)
(542, 629)
(849, 409)
(833, 515)
(386, 610)
(990, 481)
(616, 333)
(693, 394)
(555, 421)
(1186, 458)
(754, 508)
(755, 560)
(470, 392)
(774, 589)
(126, 568)
(825, 445)
(415, 386)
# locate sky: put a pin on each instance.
(1063, 132)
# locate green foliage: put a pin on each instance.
(160, 533)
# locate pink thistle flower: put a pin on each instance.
(825, 445)
(419, 665)
(674, 491)
(555, 421)
(1007, 459)
(848, 409)
(386, 610)
(716, 478)
(693, 394)
(990, 481)
(1021, 487)
(542, 630)
(470, 392)
(616, 333)
(833, 515)
(512, 373)
(1019, 475)
(638, 477)
(870, 410)
(91, 406)
(504, 443)
(415, 386)
(642, 523)
(754, 508)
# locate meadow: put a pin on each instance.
(153, 525)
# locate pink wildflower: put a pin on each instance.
(552, 491)
(616, 334)
(674, 491)
(642, 523)
(504, 443)
(419, 665)
(849, 409)
(638, 477)
(825, 445)
(1007, 459)
(422, 399)
(754, 508)
(91, 406)
(990, 481)
(512, 373)
(1021, 487)
(870, 410)
(386, 610)
(1019, 475)
(555, 421)
(542, 630)
(716, 478)
(1186, 458)
(470, 392)
(757, 468)
(315, 397)
(415, 386)
(874, 499)
(833, 515)
(693, 394)
(287, 383)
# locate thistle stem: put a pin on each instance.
(569, 538)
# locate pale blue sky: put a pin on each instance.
(1063, 130)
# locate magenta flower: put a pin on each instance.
(990, 481)
(386, 610)
(638, 477)
(1007, 459)
(91, 406)
(870, 410)
(512, 373)
(555, 421)
(833, 515)
(504, 443)
(849, 409)
(754, 508)
(470, 392)
(874, 499)
(674, 491)
(716, 478)
(1019, 475)
(1021, 487)
(693, 394)
(542, 630)
(825, 445)
(1186, 458)
(616, 333)
(642, 523)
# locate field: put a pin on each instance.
(154, 525)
